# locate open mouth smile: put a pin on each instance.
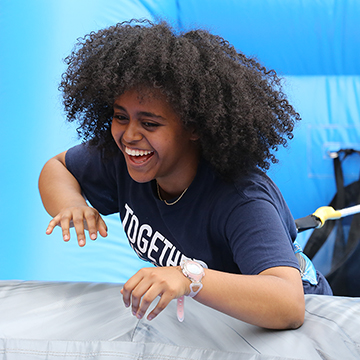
(138, 156)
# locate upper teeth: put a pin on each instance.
(132, 152)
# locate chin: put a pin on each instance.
(140, 178)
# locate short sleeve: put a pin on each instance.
(259, 237)
(96, 177)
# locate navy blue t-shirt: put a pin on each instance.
(238, 227)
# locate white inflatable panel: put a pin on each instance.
(47, 320)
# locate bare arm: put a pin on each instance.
(62, 198)
(273, 299)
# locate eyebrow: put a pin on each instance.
(141, 113)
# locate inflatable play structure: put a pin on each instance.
(58, 301)
(314, 45)
(48, 321)
(77, 320)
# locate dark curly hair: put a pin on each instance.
(235, 104)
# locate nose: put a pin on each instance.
(132, 132)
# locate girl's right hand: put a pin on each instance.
(80, 217)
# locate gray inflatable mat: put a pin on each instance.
(48, 320)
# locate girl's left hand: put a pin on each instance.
(143, 288)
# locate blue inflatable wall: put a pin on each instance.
(313, 44)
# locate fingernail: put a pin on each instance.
(66, 237)
(139, 316)
(81, 242)
(134, 313)
(150, 317)
(93, 236)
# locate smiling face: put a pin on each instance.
(154, 142)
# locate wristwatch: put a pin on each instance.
(194, 272)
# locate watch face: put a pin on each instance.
(194, 268)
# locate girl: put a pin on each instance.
(177, 129)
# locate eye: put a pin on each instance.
(150, 124)
(120, 118)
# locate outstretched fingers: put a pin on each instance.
(52, 224)
(81, 218)
(78, 221)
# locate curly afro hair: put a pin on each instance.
(236, 106)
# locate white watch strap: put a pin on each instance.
(195, 284)
(195, 292)
(180, 308)
(181, 300)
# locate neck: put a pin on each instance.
(165, 200)
(173, 192)
(172, 189)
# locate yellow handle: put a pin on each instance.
(326, 213)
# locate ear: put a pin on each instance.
(193, 134)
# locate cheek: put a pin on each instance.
(115, 132)
(116, 136)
